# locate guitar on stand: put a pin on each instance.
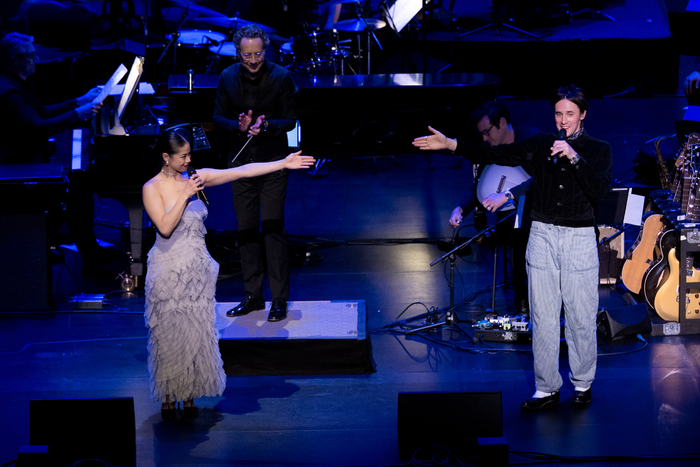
(666, 301)
(657, 273)
(640, 256)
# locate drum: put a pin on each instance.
(225, 54)
(286, 54)
(193, 49)
(195, 38)
(314, 54)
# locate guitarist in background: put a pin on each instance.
(571, 172)
(492, 120)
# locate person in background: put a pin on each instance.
(493, 122)
(255, 108)
(25, 127)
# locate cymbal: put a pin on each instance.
(194, 7)
(359, 24)
(234, 22)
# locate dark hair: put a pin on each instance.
(170, 142)
(250, 31)
(571, 93)
(492, 109)
(12, 45)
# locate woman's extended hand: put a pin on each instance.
(297, 161)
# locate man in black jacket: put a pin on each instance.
(571, 172)
(256, 105)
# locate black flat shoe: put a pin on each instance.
(582, 397)
(278, 311)
(539, 403)
(246, 306)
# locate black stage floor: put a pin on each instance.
(369, 227)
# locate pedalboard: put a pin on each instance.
(494, 328)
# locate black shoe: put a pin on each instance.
(278, 311)
(246, 306)
(539, 403)
(582, 397)
(169, 414)
(190, 413)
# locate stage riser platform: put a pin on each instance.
(319, 337)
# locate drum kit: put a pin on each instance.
(326, 52)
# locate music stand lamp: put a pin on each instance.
(450, 315)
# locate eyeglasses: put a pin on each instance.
(247, 57)
(486, 132)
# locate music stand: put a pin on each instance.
(451, 316)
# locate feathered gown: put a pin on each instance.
(183, 347)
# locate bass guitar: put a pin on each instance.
(640, 256)
(666, 302)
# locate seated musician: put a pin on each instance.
(26, 125)
(492, 120)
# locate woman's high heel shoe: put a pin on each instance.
(190, 412)
(169, 414)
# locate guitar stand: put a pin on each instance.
(451, 316)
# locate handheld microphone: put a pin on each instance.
(560, 136)
(203, 197)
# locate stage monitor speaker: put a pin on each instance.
(618, 323)
(610, 254)
(453, 420)
(26, 271)
(77, 429)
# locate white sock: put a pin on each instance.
(577, 389)
(539, 394)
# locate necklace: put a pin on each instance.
(168, 174)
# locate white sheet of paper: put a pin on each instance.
(634, 209)
(116, 77)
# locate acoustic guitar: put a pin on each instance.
(658, 272)
(641, 254)
(666, 302)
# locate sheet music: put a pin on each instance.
(116, 77)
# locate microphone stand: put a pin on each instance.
(451, 316)
(174, 37)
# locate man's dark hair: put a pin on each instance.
(492, 109)
(571, 93)
(250, 31)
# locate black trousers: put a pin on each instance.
(507, 234)
(259, 201)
